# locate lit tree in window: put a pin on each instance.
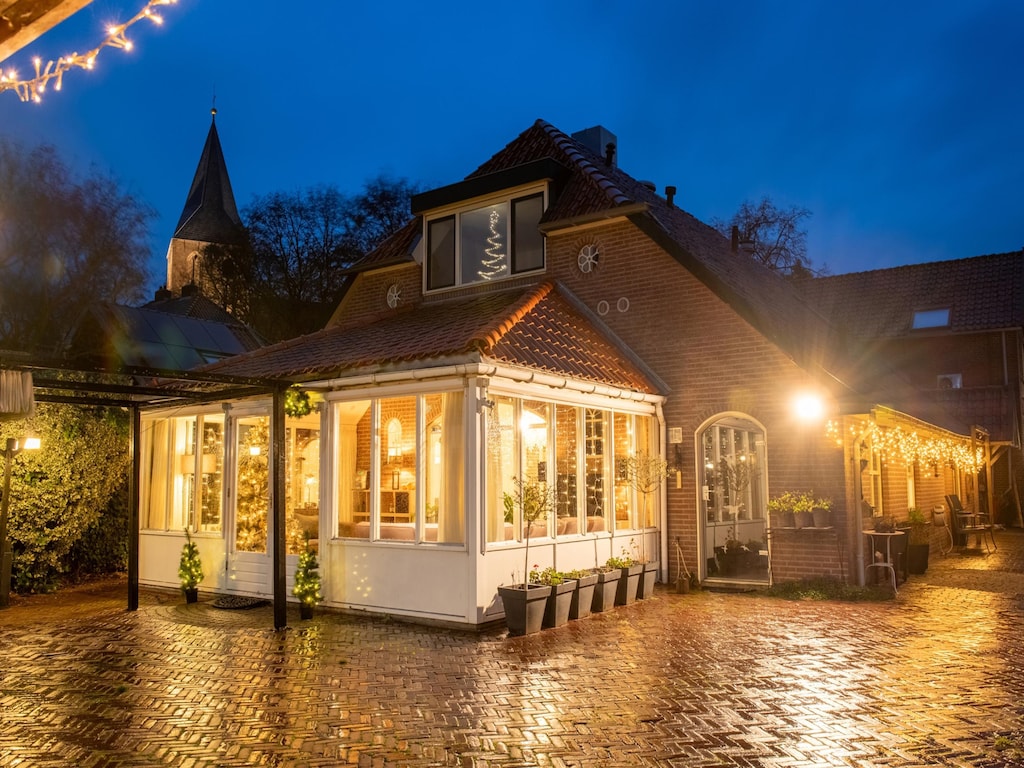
(494, 261)
(253, 488)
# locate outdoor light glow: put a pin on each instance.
(808, 407)
(29, 90)
(32, 444)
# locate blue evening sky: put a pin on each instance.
(897, 124)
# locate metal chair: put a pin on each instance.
(941, 520)
(967, 522)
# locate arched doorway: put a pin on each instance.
(733, 503)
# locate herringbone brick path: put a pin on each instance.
(935, 678)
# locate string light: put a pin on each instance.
(908, 445)
(32, 89)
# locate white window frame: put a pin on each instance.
(508, 197)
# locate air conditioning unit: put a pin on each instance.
(950, 381)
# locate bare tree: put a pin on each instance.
(65, 242)
(773, 236)
(285, 280)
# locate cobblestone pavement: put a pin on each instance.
(934, 678)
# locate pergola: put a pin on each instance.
(136, 389)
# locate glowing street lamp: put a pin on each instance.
(12, 449)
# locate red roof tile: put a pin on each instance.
(537, 328)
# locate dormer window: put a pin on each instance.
(484, 243)
(931, 318)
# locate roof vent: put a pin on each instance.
(670, 195)
(650, 185)
(600, 141)
(190, 289)
(162, 294)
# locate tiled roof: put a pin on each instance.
(538, 327)
(210, 214)
(764, 298)
(982, 293)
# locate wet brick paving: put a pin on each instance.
(934, 678)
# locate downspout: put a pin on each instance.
(663, 506)
(858, 512)
(134, 482)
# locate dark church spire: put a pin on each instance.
(210, 215)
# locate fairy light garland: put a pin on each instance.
(911, 447)
(32, 89)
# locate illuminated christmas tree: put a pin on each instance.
(253, 488)
(494, 263)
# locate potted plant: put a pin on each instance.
(606, 588)
(795, 509)
(736, 477)
(190, 569)
(526, 602)
(918, 541)
(645, 473)
(822, 513)
(307, 582)
(582, 601)
(629, 577)
(562, 588)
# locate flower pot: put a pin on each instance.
(583, 596)
(782, 520)
(822, 517)
(629, 583)
(191, 594)
(305, 610)
(557, 612)
(524, 607)
(605, 590)
(803, 519)
(648, 576)
(917, 558)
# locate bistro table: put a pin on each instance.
(880, 547)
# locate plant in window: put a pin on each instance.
(190, 569)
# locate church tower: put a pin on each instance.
(209, 217)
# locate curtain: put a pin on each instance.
(451, 518)
(155, 475)
(16, 400)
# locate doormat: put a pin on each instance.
(234, 602)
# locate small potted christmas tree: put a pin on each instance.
(307, 582)
(190, 569)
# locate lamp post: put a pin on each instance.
(11, 449)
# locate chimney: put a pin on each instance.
(670, 195)
(190, 289)
(735, 238)
(162, 294)
(601, 142)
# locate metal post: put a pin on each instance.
(133, 510)
(6, 552)
(277, 509)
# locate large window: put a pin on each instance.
(577, 457)
(182, 473)
(490, 242)
(399, 468)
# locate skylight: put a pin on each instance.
(931, 318)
